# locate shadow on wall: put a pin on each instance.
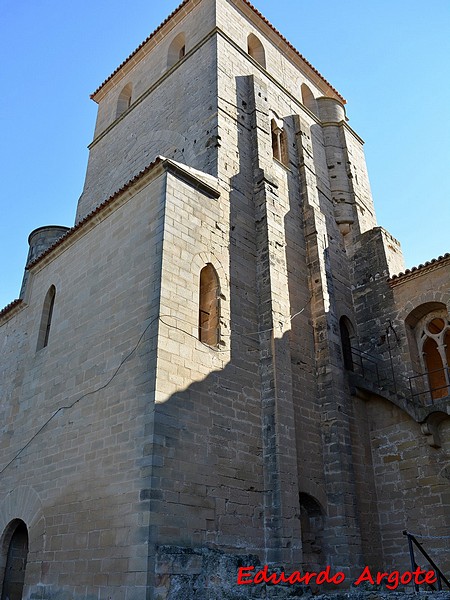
(210, 490)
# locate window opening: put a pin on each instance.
(177, 50)
(46, 318)
(124, 100)
(279, 143)
(209, 306)
(435, 326)
(308, 99)
(346, 343)
(428, 330)
(434, 367)
(435, 336)
(256, 50)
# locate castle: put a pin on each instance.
(224, 358)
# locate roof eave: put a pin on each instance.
(179, 13)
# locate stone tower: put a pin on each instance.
(215, 364)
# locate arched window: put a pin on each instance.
(346, 332)
(46, 318)
(16, 562)
(428, 332)
(209, 306)
(279, 143)
(308, 99)
(434, 342)
(177, 50)
(434, 367)
(124, 100)
(256, 50)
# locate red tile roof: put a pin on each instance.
(9, 307)
(70, 232)
(95, 212)
(261, 16)
(430, 263)
(255, 10)
(172, 14)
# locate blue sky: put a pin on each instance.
(388, 58)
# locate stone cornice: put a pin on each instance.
(11, 309)
(200, 181)
(179, 13)
(432, 265)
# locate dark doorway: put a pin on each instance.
(16, 563)
(312, 523)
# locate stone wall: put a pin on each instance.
(143, 459)
(73, 413)
(175, 117)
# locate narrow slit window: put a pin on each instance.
(279, 143)
(209, 306)
(276, 146)
(346, 342)
(46, 318)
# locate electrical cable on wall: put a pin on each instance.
(105, 385)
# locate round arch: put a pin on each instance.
(177, 49)
(14, 556)
(429, 297)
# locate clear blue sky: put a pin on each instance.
(389, 59)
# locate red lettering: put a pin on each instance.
(365, 576)
(323, 576)
(380, 577)
(272, 578)
(248, 575)
(406, 577)
(241, 575)
(260, 576)
(430, 577)
(417, 574)
(393, 580)
(308, 576)
(295, 577)
(338, 578)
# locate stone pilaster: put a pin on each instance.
(281, 518)
(342, 534)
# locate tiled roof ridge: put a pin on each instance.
(420, 267)
(147, 39)
(255, 10)
(70, 232)
(10, 306)
(286, 41)
(95, 212)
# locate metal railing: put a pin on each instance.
(365, 365)
(379, 372)
(438, 573)
(384, 375)
(421, 385)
